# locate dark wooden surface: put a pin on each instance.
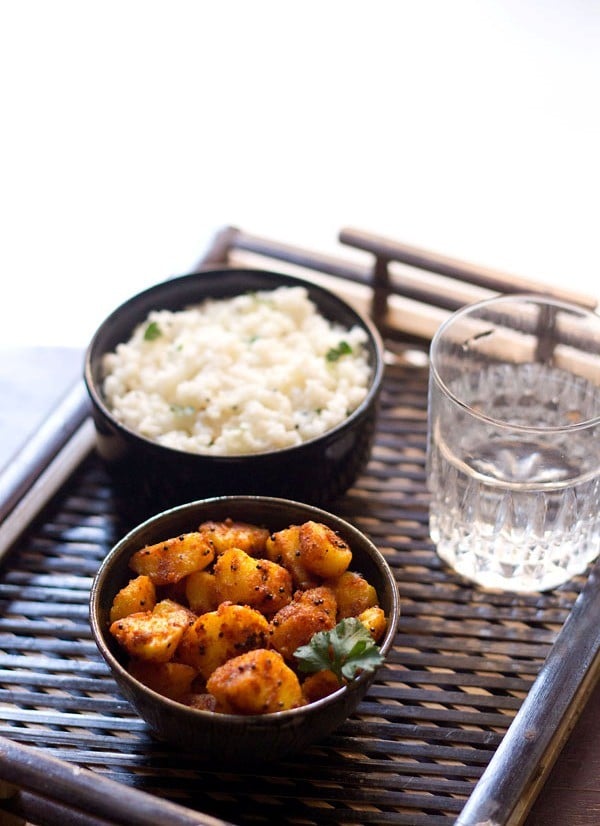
(32, 381)
(571, 794)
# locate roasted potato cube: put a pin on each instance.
(320, 684)
(173, 680)
(138, 595)
(374, 621)
(283, 547)
(169, 561)
(258, 682)
(322, 551)
(200, 592)
(353, 594)
(219, 635)
(229, 534)
(153, 635)
(294, 625)
(260, 583)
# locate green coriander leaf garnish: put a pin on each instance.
(343, 349)
(347, 650)
(152, 331)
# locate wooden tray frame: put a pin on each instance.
(548, 644)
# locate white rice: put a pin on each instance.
(257, 372)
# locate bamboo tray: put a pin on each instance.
(461, 726)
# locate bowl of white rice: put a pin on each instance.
(233, 381)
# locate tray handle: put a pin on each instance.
(409, 290)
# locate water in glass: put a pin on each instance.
(513, 507)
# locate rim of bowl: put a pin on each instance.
(97, 397)
(238, 719)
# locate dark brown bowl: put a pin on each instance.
(227, 738)
(316, 471)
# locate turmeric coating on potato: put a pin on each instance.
(353, 594)
(374, 621)
(283, 547)
(260, 583)
(230, 534)
(214, 616)
(309, 612)
(320, 684)
(153, 635)
(169, 561)
(219, 635)
(258, 682)
(138, 595)
(200, 592)
(322, 551)
(172, 680)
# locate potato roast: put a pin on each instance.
(213, 618)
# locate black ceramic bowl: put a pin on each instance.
(316, 471)
(227, 738)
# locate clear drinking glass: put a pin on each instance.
(513, 457)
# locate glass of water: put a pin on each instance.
(513, 458)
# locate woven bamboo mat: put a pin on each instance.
(461, 666)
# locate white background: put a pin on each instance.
(131, 131)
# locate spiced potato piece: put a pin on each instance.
(320, 684)
(294, 625)
(153, 635)
(231, 534)
(322, 551)
(219, 635)
(200, 592)
(374, 621)
(172, 680)
(258, 682)
(283, 547)
(169, 561)
(138, 595)
(353, 594)
(260, 583)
